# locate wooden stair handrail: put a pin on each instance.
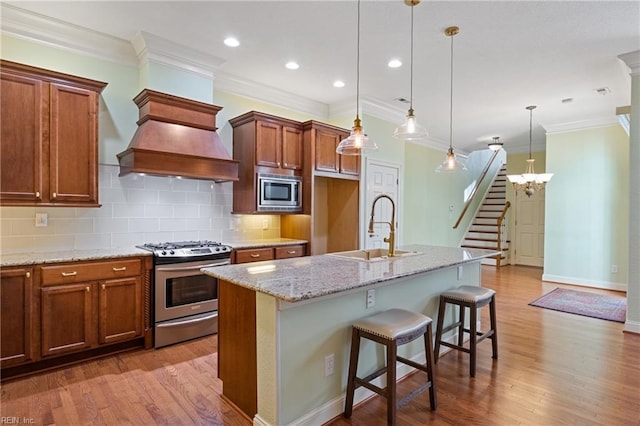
(475, 188)
(499, 220)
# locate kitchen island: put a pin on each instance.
(284, 326)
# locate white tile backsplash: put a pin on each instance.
(135, 210)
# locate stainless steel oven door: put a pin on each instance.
(182, 290)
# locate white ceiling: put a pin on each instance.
(508, 54)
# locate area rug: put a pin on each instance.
(610, 308)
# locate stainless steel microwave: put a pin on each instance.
(279, 193)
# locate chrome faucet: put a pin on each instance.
(391, 239)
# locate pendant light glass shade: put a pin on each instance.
(410, 130)
(357, 140)
(529, 181)
(451, 164)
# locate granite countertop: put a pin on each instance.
(32, 258)
(265, 242)
(304, 278)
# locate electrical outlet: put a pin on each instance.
(329, 362)
(614, 269)
(371, 298)
(42, 220)
(265, 224)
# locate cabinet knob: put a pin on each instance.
(124, 268)
(28, 275)
(88, 289)
(255, 255)
(37, 194)
(54, 195)
(69, 274)
(285, 164)
(104, 286)
(278, 164)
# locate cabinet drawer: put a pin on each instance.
(83, 271)
(289, 251)
(254, 255)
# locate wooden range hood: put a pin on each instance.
(177, 137)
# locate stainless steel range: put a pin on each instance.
(186, 300)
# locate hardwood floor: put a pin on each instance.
(553, 368)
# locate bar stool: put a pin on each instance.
(471, 297)
(392, 328)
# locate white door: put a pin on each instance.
(381, 179)
(529, 227)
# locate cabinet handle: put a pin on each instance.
(291, 252)
(255, 255)
(54, 195)
(124, 268)
(88, 289)
(37, 194)
(28, 275)
(69, 274)
(104, 286)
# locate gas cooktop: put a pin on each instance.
(188, 249)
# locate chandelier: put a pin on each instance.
(451, 164)
(357, 140)
(410, 130)
(529, 181)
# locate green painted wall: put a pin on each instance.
(586, 212)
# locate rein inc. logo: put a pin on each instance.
(7, 420)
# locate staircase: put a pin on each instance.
(487, 230)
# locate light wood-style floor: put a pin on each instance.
(553, 368)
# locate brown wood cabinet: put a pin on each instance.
(48, 137)
(263, 143)
(268, 253)
(16, 315)
(323, 139)
(87, 304)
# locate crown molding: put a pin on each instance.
(632, 60)
(151, 48)
(44, 30)
(573, 126)
(251, 89)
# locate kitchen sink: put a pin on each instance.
(373, 254)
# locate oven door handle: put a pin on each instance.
(189, 321)
(189, 268)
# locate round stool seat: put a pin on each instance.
(392, 323)
(469, 294)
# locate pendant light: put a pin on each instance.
(410, 130)
(529, 181)
(357, 140)
(496, 144)
(451, 164)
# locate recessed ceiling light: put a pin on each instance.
(338, 83)
(231, 42)
(395, 63)
(292, 65)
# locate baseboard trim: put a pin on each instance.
(606, 285)
(632, 327)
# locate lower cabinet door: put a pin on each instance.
(120, 313)
(67, 318)
(15, 316)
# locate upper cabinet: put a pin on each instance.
(323, 139)
(48, 138)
